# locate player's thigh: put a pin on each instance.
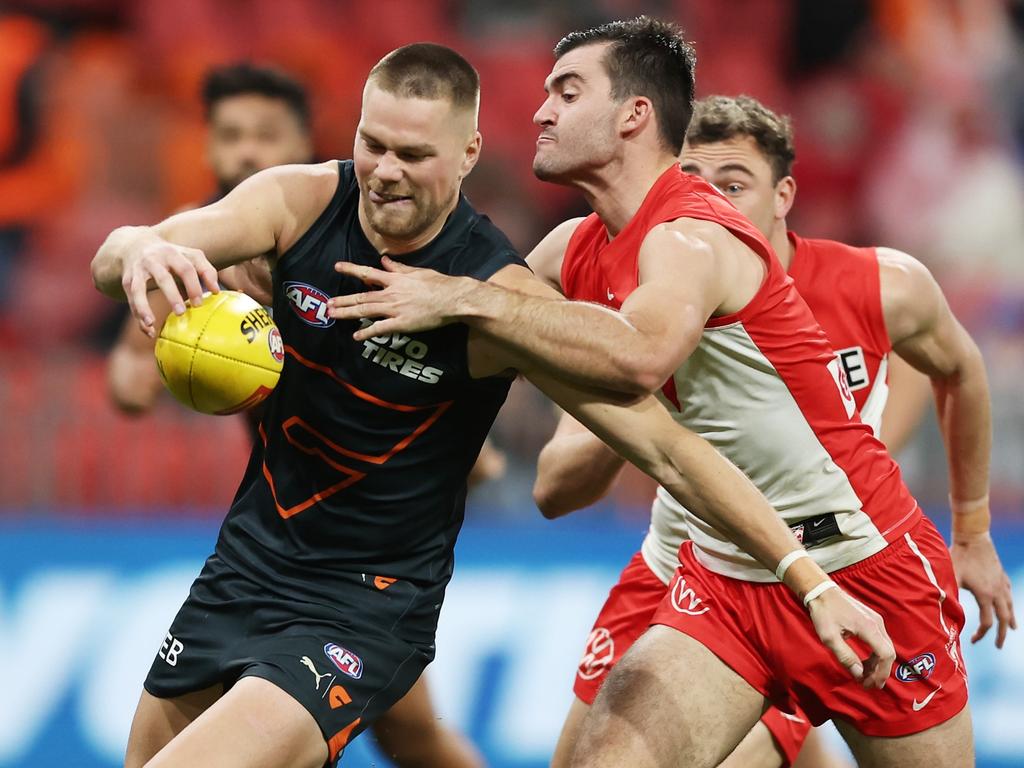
(947, 745)
(570, 733)
(668, 702)
(411, 734)
(157, 721)
(412, 718)
(256, 725)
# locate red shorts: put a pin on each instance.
(765, 635)
(626, 614)
(789, 730)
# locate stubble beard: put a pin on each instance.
(561, 167)
(556, 170)
(405, 228)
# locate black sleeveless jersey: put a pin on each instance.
(365, 446)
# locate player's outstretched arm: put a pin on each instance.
(262, 216)
(574, 470)
(634, 350)
(926, 334)
(716, 491)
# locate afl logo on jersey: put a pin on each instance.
(344, 660)
(309, 303)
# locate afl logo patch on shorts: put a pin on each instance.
(344, 660)
(309, 303)
(918, 668)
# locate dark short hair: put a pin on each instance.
(245, 78)
(428, 71)
(720, 118)
(647, 58)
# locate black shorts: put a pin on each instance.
(346, 663)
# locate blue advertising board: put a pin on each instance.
(84, 606)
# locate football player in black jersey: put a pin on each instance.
(318, 608)
(257, 118)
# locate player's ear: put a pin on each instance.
(785, 194)
(472, 154)
(637, 112)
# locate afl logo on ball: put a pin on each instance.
(309, 303)
(276, 344)
(344, 660)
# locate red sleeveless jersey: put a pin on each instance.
(840, 283)
(763, 386)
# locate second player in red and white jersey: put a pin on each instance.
(747, 151)
(764, 387)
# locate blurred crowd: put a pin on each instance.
(909, 117)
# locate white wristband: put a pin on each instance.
(818, 591)
(788, 560)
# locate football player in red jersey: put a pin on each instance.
(874, 304)
(733, 349)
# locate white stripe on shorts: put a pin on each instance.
(930, 573)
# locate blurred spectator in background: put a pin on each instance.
(39, 157)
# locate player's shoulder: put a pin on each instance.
(308, 175)
(557, 240)
(688, 235)
(305, 189)
(476, 246)
(896, 259)
(546, 258)
(902, 276)
(484, 235)
(312, 193)
(911, 297)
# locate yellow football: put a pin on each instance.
(221, 357)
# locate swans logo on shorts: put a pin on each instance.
(309, 303)
(918, 668)
(685, 600)
(344, 660)
(598, 654)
